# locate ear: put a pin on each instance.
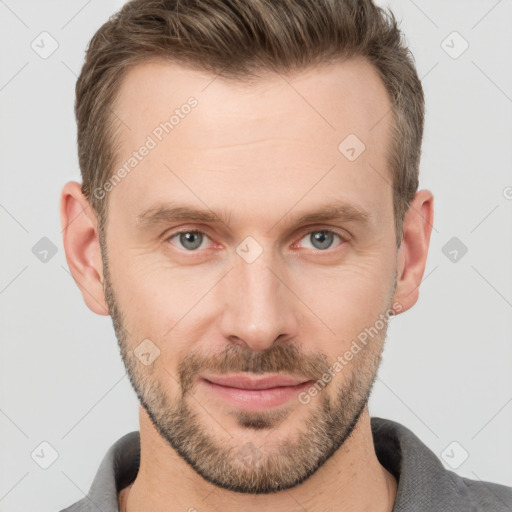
(412, 256)
(82, 247)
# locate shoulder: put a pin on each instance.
(424, 484)
(486, 495)
(118, 468)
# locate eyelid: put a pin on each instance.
(345, 235)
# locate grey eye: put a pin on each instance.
(321, 239)
(190, 240)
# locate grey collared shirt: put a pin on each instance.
(424, 485)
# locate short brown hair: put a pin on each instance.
(236, 39)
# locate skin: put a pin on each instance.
(263, 155)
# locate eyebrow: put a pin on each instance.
(170, 212)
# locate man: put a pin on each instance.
(249, 218)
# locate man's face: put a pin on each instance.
(258, 292)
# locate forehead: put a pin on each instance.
(338, 97)
(280, 134)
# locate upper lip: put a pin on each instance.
(250, 382)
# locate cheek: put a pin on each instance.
(350, 298)
(161, 302)
(142, 297)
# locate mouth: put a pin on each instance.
(254, 393)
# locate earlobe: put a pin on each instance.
(81, 245)
(412, 256)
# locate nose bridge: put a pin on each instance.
(258, 309)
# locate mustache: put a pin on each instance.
(284, 358)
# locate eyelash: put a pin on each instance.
(343, 238)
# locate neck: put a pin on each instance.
(352, 479)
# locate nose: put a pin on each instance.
(259, 306)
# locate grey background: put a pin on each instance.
(447, 364)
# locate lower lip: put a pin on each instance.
(256, 399)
